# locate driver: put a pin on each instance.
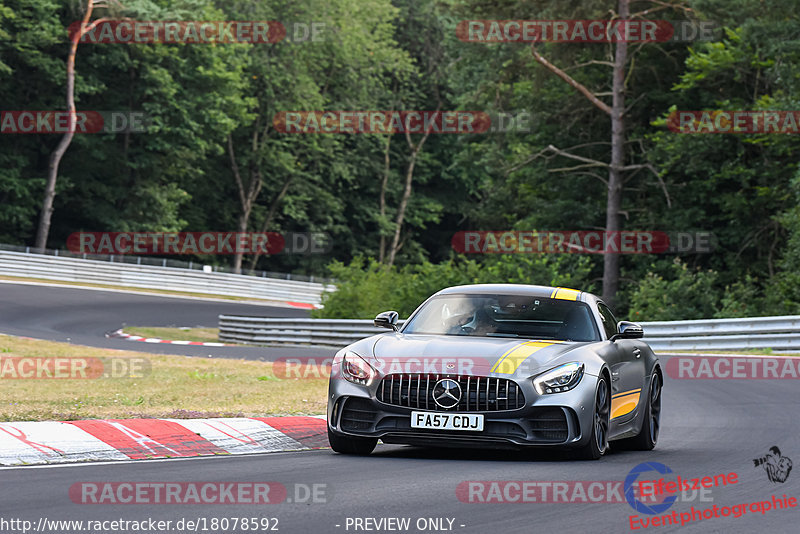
(457, 314)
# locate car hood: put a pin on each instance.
(480, 356)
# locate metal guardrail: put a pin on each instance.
(319, 332)
(124, 275)
(163, 262)
(777, 333)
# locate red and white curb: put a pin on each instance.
(53, 442)
(304, 305)
(122, 335)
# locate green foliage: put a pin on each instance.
(785, 293)
(684, 294)
(366, 287)
(404, 54)
(31, 67)
(745, 298)
(5, 14)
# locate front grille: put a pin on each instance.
(358, 414)
(478, 393)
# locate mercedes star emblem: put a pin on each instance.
(446, 393)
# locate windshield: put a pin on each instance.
(504, 316)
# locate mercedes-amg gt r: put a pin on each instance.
(497, 366)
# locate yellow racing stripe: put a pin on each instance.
(511, 360)
(624, 403)
(564, 293)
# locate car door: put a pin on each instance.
(627, 369)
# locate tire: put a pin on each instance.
(598, 441)
(351, 445)
(647, 438)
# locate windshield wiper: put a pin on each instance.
(501, 334)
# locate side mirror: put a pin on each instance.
(387, 319)
(628, 330)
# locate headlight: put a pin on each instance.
(562, 378)
(357, 370)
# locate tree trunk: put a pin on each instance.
(247, 195)
(382, 198)
(614, 198)
(244, 218)
(616, 167)
(270, 216)
(401, 209)
(55, 158)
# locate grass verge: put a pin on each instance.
(170, 386)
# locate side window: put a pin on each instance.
(609, 322)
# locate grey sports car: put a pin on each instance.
(498, 366)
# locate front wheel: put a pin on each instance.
(598, 441)
(351, 444)
(647, 437)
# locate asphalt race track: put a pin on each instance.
(709, 427)
(82, 317)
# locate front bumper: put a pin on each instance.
(555, 420)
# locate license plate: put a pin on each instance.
(447, 421)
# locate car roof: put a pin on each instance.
(518, 289)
